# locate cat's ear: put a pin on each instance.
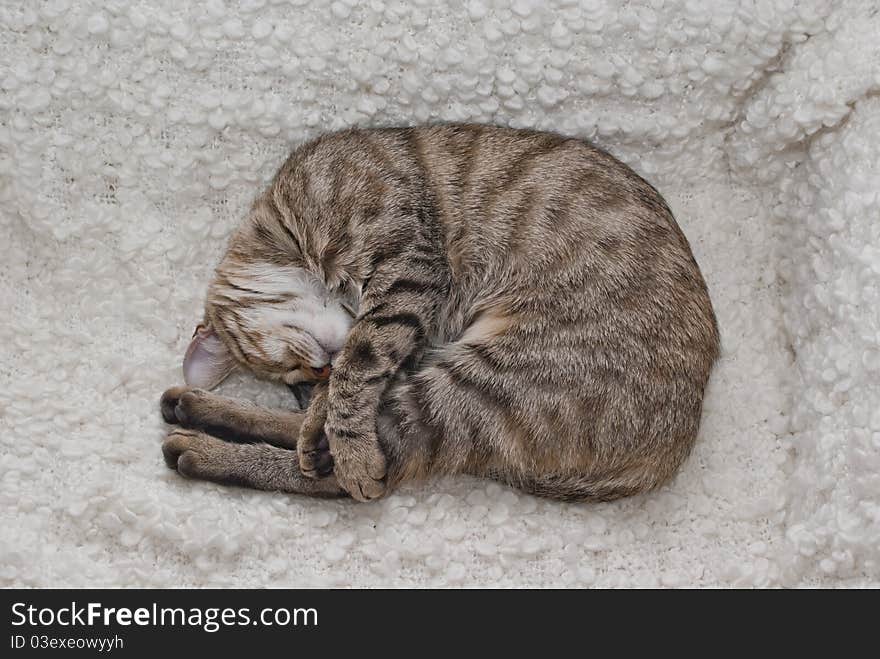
(207, 362)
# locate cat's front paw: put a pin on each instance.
(314, 457)
(313, 447)
(359, 464)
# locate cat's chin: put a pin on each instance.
(302, 391)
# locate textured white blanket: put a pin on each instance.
(133, 134)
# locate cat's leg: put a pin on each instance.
(231, 419)
(467, 411)
(196, 454)
(398, 311)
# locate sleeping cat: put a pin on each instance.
(470, 299)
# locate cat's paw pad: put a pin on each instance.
(313, 446)
(359, 467)
(316, 461)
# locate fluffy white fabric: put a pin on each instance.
(133, 134)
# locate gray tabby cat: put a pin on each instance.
(472, 299)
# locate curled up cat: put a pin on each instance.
(510, 304)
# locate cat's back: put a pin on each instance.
(546, 220)
(548, 217)
(527, 200)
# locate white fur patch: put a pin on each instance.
(485, 327)
(313, 322)
(276, 280)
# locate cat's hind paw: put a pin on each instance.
(191, 453)
(168, 403)
(188, 407)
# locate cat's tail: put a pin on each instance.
(582, 489)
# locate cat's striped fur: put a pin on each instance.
(520, 305)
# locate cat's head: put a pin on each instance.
(278, 321)
(283, 298)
